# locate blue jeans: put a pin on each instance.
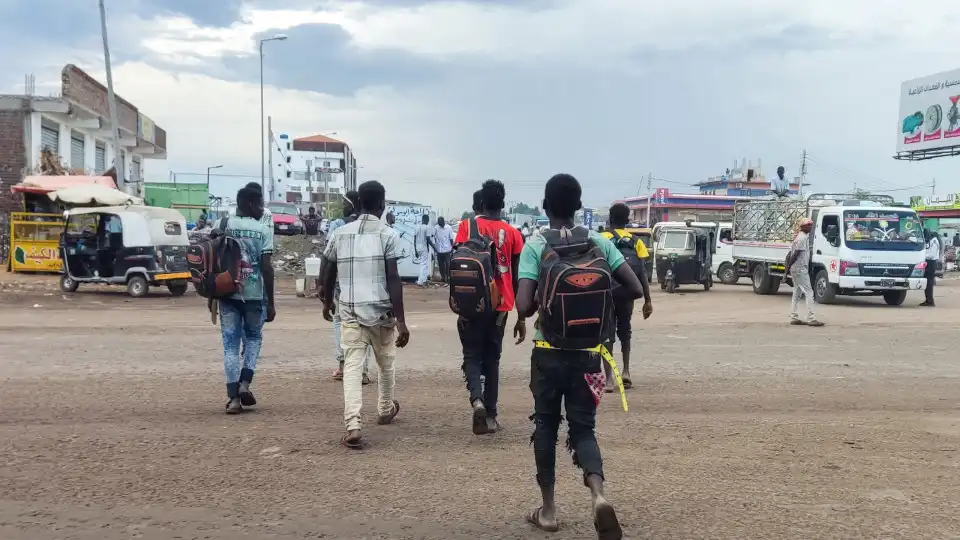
(241, 322)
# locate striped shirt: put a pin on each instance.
(361, 250)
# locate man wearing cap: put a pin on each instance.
(798, 267)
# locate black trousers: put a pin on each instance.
(559, 376)
(443, 262)
(623, 313)
(931, 274)
(482, 340)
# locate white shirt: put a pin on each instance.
(933, 249)
(443, 238)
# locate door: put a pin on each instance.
(823, 251)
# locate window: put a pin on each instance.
(171, 228)
(50, 136)
(100, 158)
(891, 230)
(76, 150)
(675, 240)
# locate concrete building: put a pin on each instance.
(666, 206)
(743, 180)
(305, 168)
(75, 126)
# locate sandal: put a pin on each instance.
(627, 383)
(352, 443)
(366, 379)
(606, 524)
(338, 374)
(534, 519)
(388, 418)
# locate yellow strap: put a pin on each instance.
(607, 357)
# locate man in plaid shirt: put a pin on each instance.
(361, 258)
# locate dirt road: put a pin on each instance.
(740, 427)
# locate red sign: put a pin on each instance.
(662, 195)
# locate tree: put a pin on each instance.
(467, 215)
(522, 208)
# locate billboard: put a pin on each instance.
(950, 201)
(929, 116)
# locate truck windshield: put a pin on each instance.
(675, 240)
(894, 230)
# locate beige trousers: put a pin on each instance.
(355, 340)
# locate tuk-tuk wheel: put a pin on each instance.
(137, 286)
(177, 289)
(68, 284)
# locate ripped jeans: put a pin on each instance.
(574, 378)
(240, 322)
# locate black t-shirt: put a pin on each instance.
(311, 224)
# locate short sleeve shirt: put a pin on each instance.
(508, 242)
(255, 240)
(641, 247)
(530, 257)
(801, 245)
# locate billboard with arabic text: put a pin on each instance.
(929, 113)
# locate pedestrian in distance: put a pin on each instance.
(634, 252)
(798, 267)
(565, 279)
(243, 314)
(932, 258)
(443, 240)
(361, 263)
(422, 244)
(486, 246)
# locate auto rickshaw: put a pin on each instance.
(645, 234)
(134, 246)
(684, 256)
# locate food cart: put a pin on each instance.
(35, 232)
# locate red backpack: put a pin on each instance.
(214, 264)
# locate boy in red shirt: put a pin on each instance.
(482, 338)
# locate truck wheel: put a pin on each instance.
(728, 274)
(761, 279)
(894, 298)
(824, 292)
(774, 285)
(137, 286)
(68, 284)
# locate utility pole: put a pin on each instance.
(326, 180)
(270, 154)
(309, 177)
(933, 188)
(649, 196)
(803, 172)
(112, 103)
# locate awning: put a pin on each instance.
(47, 184)
(93, 194)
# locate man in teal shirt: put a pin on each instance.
(573, 377)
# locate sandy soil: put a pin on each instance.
(740, 427)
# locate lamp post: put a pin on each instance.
(263, 163)
(326, 176)
(112, 105)
(208, 176)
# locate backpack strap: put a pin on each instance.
(615, 234)
(474, 230)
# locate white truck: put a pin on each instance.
(857, 247)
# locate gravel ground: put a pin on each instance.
(740, 427)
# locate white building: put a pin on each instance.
(75, 126)
(304, 169)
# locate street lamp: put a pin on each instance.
(208, 176)
(263, 136)
(326, 176)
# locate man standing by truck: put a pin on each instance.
(798, 267)
(932, 258)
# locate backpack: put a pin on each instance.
(214, 264)
(473, 273)
(574, 291)
(628, 247)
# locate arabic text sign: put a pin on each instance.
(929, 113)
(950, 201)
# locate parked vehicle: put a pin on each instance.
(858, 246)
(683, 256)
(286, 218)
(725, 267)
(135, 246)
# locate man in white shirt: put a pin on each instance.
(798, 267)
(422, 242)
(443, 240)
(932, 256)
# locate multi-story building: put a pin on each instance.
(743, 180)
(75, 128)
(306, 169)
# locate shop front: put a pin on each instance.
(939, 213)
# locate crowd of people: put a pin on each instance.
(593, 276)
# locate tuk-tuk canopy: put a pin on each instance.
(92, 195)
(141, 225)
(45, 184)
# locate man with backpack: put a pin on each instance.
(634, 252)
(482, 284)
(566, 278)
(243, 313)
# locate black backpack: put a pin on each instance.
(214, 264)
(628, 247)
(473, 273)
(574, 291)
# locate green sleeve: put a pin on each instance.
(529, 266)
(613, 255)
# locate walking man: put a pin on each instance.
(798, 266)
(634, 252)
(351, 208)
(569, 376)
(932, 256)
(243, 314)
(422, 243)
(443, 240)
(361, 262)
(482, 335)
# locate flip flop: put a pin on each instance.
(534, 519)
(627, 383)
(386, 419)
(606, 523)
(355, 444)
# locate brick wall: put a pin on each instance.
(12, 163)
(81, 88)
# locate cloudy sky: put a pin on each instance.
(435, 96)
